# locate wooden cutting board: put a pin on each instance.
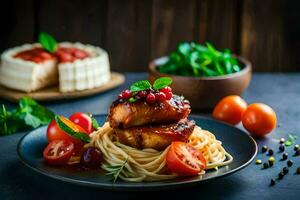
(52, 93)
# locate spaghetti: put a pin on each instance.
(150, 164)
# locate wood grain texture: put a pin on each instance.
(127, 37)
(263, 34)
(218, 22)
(73, 20)
(134, 32)
(172, 22)
(17, 23)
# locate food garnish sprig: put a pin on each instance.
(115, 170)
(143, 90)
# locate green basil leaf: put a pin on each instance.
(48, 42)
(94, 121)
(140, 86)
(162, 82)
(78, 135)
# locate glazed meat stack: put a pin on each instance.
(151, 125)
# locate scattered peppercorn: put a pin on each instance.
(296, 147)
(264, 149)
(272, 182)
(297, 153)
(289, 163)
(280, 175)
(281, 148)
(265, 165)
(285, 170)
(282, 140)
(258, 162)
(284, 156)
(298, 170)
(271, 161)
(271, 152)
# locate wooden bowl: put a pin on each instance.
(206, 92)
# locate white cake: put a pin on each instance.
(29, 68)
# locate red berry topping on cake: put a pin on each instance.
(160, 96)
(150, 98)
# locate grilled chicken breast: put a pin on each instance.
(124, 114)
(156, 137)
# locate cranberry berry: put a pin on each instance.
(142, 94)
(126, 94)
(160, 96)
(150, 98)
(169, 95)
(166, 90)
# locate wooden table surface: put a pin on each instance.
(281, 91)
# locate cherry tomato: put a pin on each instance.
(55, 133)
(184, 159)
(82, 120)
(230, 109)
(58, 152)
(259, 119)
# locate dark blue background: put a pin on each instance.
(281, 91)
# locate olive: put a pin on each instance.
(296, 147)
(298, 170)
(91, 158)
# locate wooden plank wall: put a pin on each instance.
(136, 31)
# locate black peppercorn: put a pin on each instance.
(285, 170)
(298, 170)
(297, 153)
(272, 182)
(280, 175)
(265, 165)
(271, 161)
(264, 149)
(289, 163)
(282, 140)
(281, 148)
(271, 152)
(284, 156)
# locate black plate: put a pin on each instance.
(239, 144)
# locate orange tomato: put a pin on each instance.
(259, 119)
(230, 109)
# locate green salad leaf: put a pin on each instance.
(192, 59)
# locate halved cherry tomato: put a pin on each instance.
(58, 152)
(259, 119)
(82, 120)
(184, 159)
(55, 133)
(230, 109)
